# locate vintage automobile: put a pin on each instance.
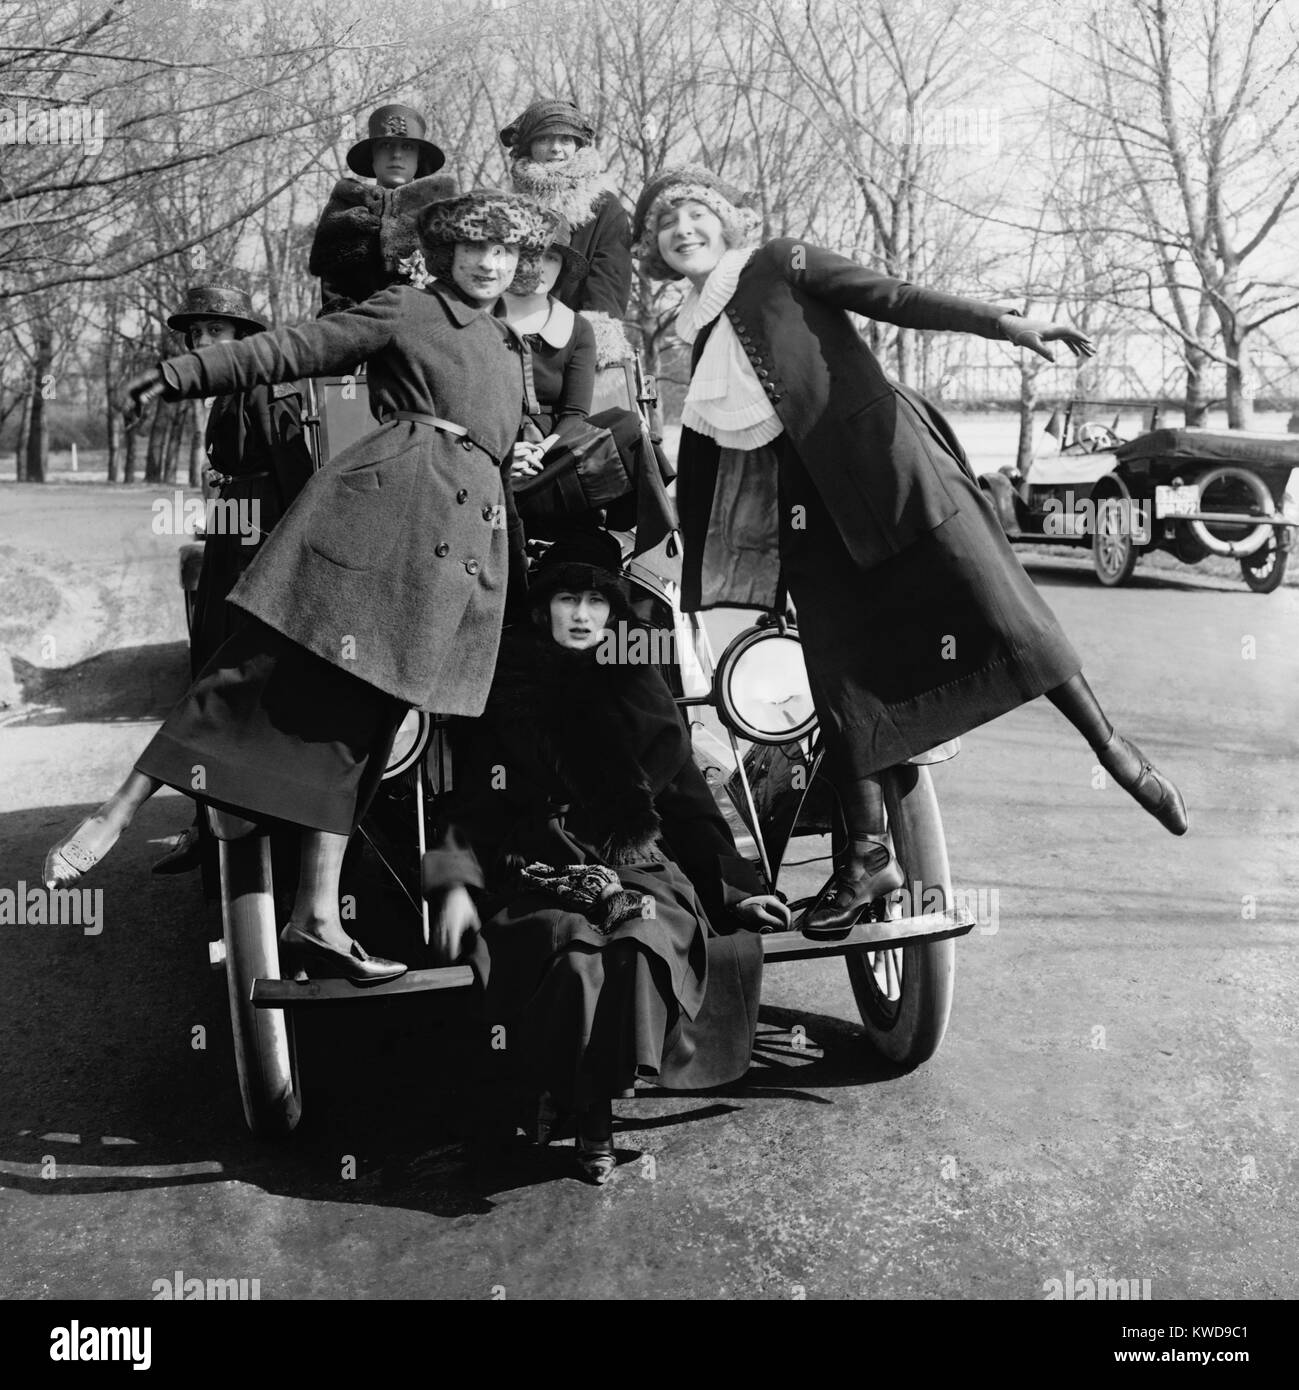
(754, 734)
(1191, 492)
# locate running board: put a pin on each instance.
(871, 936)
(776, 946)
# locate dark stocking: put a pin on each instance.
(1074, 699)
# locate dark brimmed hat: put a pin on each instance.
(487, 214)
(575, 263)
(546, 116)
(582, 560)
(395, 123)
(216, 302)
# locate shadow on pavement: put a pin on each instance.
(127, 684)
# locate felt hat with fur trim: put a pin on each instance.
(689, 183)
(578, 561)
(216, 302)
(395, 122)
(547, 116)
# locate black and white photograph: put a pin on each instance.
(648, 654)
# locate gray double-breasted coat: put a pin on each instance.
(392, 564)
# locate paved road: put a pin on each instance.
(1115, 1096)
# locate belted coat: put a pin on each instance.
(393, 562)
(870, 462)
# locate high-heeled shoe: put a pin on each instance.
(849, 892)
(321, 962)
(73, 856)
(595, 1156)
(183, 857)
(1144, 782)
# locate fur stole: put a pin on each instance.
(610, 735)
(611, 344)
(572, 189)
(367, 230)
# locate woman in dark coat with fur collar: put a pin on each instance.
(554, 160)
(382, 588)
(802, 463)
(604, 869)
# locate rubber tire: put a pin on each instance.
(1270, 582)
(909, 1032)
(265, 1057)
(1112, 579)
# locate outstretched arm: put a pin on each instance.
(836, 280)
(332, 344)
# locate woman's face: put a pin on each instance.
(483, 269)
(553, 149)
(204, 332)
(691, 239)
(578, 618)
(551, 264)
(395, 161)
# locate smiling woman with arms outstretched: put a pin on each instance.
(803, 466)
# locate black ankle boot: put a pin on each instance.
(867, 873)
(1143, 782)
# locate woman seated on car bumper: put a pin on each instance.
(600, 864)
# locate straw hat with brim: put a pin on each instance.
(216, 302)
(395, 123)
(486, 214)
(579, 561)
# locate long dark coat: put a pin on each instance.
(917, 620)
(393, 562)
(578, 762)
(605, 241)
(255, 439)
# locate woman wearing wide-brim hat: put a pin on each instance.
(570, 464)
(382, 588)
(257, 463)
(554, 159)
(368, 235)
(802, 462)
(601, 866)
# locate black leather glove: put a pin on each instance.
(142, 391)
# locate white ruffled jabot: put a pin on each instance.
(726, 401)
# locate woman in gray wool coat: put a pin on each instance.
(384, 585)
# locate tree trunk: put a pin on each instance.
(154, 461)
(20, 445)
(1240, 382)
(1197, 388)
(1027, 405)
(38, 426)
(175, 435)
(131, 437)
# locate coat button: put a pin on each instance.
(471, 566)
(442, 549)
(466, 443)
(488, 513)
(462, 496)
(763, 373)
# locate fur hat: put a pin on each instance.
(547, 116)
(395, 122)
(689, 183)
(486, 214)
(216, 302)
(527, 275)
(588, 559)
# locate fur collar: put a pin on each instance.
(610, 734)
(572, 189)
(368, 228)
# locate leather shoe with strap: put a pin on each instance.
(850, 891)
(1144, 782)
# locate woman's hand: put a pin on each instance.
(141, 391)
(1034, 334)
(526, 462)
(764, 913)
(452, 920)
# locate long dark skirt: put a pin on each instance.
(943, 637)
(272, 732)
(583, 1016)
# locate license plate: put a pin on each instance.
(1177, 501)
